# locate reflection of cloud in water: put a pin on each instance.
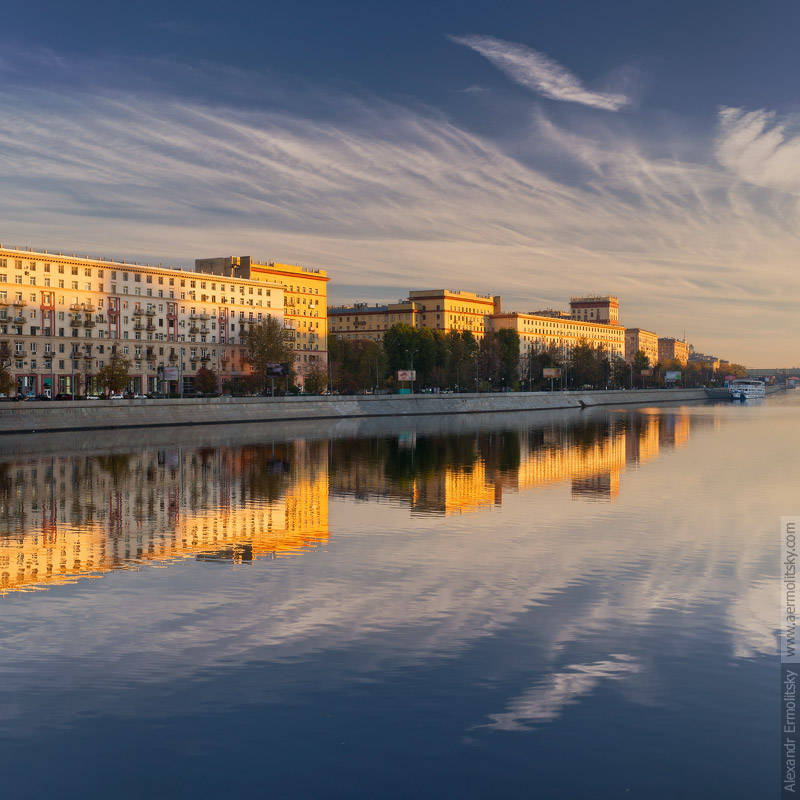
(544, 703)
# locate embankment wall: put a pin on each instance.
(42, 416)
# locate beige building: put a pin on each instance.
(448, 310)
(62, 317)
(639, 339)
(537, 333)
(673, 350)
(305, 293)
(362, 321)
(595, 308)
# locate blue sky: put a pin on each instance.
(536, 150)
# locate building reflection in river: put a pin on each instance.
(69, 517)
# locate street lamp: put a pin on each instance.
(410, 354)
(180, 377)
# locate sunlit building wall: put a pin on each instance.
(62, 317)
(305, 293)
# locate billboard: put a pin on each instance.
(171, 373)
(672, 375)
(646, 373)
(551, 372)
(277, 370)
(406, 375)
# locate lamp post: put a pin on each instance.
(410, 354)
(180, 376)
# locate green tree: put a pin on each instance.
(508, 341)
(586, 367)
(641, 361)
(462, 348)
(267, 343)
(6, 378)
(114, 376)
(205, 381)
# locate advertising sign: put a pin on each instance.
(406, 375)
(277, 370)
(171, 373)
(672, 376)
(647, 373)
(551, 372)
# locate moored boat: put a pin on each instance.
(746, 389)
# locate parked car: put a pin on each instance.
(43, 397)
(139, 396)
(92, 396)
(115, 396)
(63, 396)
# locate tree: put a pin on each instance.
(114, 376)
(508, 341)
(316, 378)
(462, 348)
(205, 381)
(641, 361)
(6, 378)
(586, 366)
(267, 343)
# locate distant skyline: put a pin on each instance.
(651, 151)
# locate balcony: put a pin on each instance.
(19, 320)
(138, 326)
(150, 327)
(138, 357)
(75, 307)
(113, 312)
(88, 356)
(151, 312)
(173, 356)
(193, 316)
(89, 307)
(3, 302)
(204, 317)
(88, 323)
(19, 303)
(193, 330)
(204, 329)
(205, 358)
(20, 353)
(138, 312)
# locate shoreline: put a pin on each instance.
(84, 415)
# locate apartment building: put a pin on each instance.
(672, 350)
(639, 339)
(62, 317)
(538, 332)
(305, 296)
(450, 310)
(595, 308)
(363, 321)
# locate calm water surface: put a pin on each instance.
(550, 605)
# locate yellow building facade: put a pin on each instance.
(62, 317)
(363, 321)
(672, 350)
(639, 339)
(305, 296)
(539, 332)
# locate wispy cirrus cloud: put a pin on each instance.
(759, 148)
(536, 71)
(389, 198)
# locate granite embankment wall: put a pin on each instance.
(42, 416)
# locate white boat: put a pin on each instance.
(746, 389)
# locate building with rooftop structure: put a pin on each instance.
(637, 339)
(672, 350)
(305, 296)
(62, 317)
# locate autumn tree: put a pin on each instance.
(267, 343)
(114, 376)
(6, 378)
(205, 380)
(316, 378)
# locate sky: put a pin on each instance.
(535, 150)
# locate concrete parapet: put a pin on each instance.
(41, 416)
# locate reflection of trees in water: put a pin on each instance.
(117, 466)
(266, 471)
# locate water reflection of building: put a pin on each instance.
(457, 474)
(66, 518)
